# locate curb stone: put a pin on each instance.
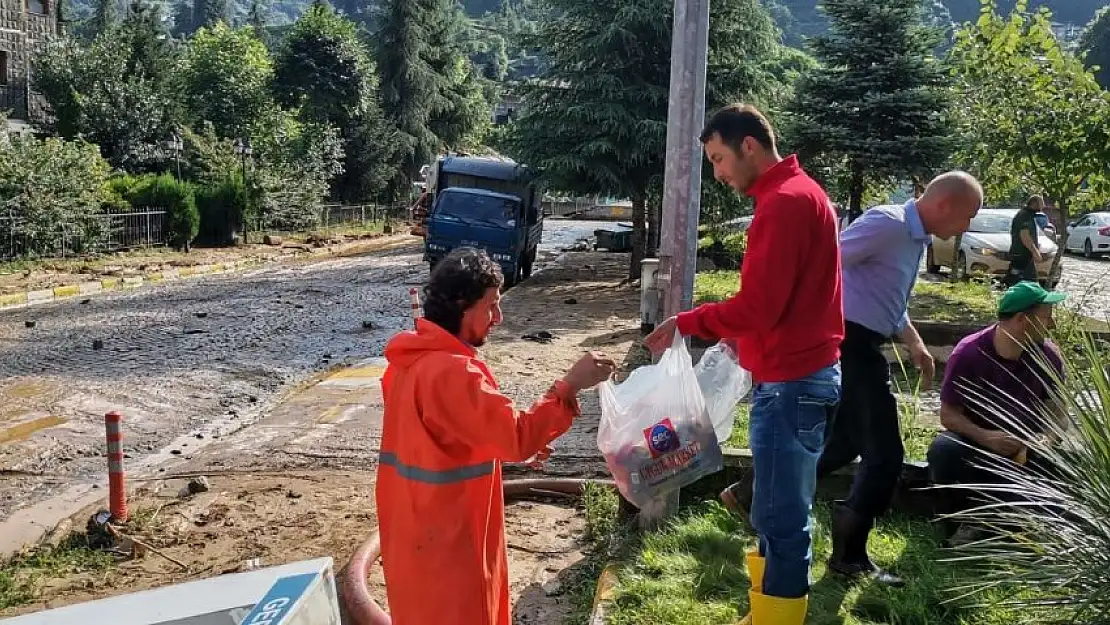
(24, 299)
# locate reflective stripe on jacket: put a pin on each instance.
(446, 430)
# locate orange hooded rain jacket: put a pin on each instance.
(446, 431)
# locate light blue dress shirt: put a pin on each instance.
(881, 256)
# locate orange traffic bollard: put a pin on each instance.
(117, 490)
(417, 309)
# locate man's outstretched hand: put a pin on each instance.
(661, 337)
(590, 370)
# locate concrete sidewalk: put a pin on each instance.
(333, 423)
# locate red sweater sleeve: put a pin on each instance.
(768, 277)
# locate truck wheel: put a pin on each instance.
(526, 264)
(511, 280)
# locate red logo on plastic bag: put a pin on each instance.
(661, 438)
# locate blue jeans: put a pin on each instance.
(788, 432)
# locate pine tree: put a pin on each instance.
(105, 15)
(596, 121)
(425, 91)
(258, 17)
(1095, 43)
(879, 101)
(215, 11)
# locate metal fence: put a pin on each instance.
(333, 219)
(23, 237)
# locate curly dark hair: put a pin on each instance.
(458, 281)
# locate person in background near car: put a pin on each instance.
(881, 255)
(446, 431)
(1025, 252)
(1010, 368)
(788, 321)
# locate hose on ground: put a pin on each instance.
(357, 607)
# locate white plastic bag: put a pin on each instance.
(655, 433)
(723, 383)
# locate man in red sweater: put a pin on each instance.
(788, 322)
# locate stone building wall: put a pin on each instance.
(24, 26)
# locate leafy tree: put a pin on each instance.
(116, 91)
(1095, 43)
(429, 90)
(53, 187)
(1034, 118)
(596, 122)
(877, 104)
(225, 76)
(324, 70)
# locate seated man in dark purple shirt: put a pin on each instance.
(997, 370)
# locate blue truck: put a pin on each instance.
(485, 203)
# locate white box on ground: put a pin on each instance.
(301, 593)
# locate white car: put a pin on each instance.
(1090, 235)
(985, 247)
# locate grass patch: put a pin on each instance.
(715, 286)
(972, 303)
(692, 572)
(741, 417)
(918, 430)
(608, 538)
(21, 576)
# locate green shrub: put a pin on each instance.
(725, 250)
(50, 194)
(178, 199)
(1049, 545)
(221, 207)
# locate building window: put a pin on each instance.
(37, 6)
(3, 67)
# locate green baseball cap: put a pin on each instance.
(1025, 295)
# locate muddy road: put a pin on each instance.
(190, 362)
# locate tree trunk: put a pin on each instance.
(855, 193)
(954, 275)
(639, 234)
(918, 186)
(1061, 238)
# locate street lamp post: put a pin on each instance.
(175, 145)
(244, 150)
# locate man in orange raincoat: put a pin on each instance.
(446, 431)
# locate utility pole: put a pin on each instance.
(681, 184)
(682, 177)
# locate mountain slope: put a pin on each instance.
(802, 18)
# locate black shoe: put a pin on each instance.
(849, 557)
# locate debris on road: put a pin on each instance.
(197, 485)
(542, 336)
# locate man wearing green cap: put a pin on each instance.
(998, 370)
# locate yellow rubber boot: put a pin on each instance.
(768, 610)
(756, 564)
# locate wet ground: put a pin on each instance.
(1088, 284)
(190, 362)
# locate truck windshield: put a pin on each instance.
(469, 207)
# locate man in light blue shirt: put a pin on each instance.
(881, 257)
